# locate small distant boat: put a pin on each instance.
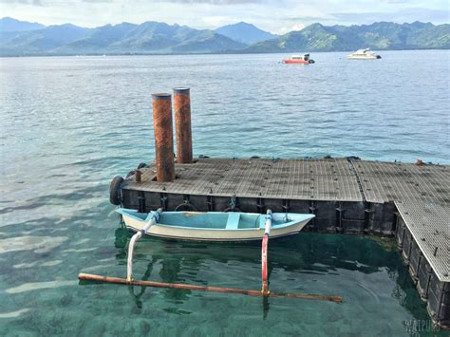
(213, 226)
(363, 54)
(298, 59)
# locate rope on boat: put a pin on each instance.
(151, 220)
(265, 242)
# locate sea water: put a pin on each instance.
(69, 124)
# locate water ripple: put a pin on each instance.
(38, 244)
(39, 286)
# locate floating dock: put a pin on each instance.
(347, 195)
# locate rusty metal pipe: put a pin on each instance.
(182, 111)
(138, 176)
(162, 122)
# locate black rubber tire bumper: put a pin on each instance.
(114, 190)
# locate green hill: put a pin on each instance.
(380, 35)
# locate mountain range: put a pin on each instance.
(19, 38)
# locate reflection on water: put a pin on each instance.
(308, 255)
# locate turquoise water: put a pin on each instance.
(70, 124)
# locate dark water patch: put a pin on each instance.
(22, 207)
(99, 162)
(75, 195)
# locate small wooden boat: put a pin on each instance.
(208, 223)
(213, 226)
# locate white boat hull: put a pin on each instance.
(363, 54)
(362, 57)
(198, 234)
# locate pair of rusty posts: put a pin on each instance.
(163, 126)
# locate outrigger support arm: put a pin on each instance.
(151, 220)
(265, 242)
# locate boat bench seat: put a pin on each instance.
(233, 221)
(262, 222)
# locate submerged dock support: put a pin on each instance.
(162, 122)
(182, 112)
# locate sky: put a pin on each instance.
(276, 16)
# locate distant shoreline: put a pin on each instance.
(193, 54)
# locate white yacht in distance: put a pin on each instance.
(363, 54)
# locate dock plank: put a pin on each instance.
(331, 179)
(429, 225)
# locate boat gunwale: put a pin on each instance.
(274, 235)
(274, 227)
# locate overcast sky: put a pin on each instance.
(277, 16)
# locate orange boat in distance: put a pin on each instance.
(298, 59)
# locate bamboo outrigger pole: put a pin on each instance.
(184, 286)
(264, 292)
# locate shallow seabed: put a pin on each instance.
(43, 297)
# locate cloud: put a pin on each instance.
(215, 2)
(395, 1)
(310, 19)
(47, 3)
(22, 2)
(404, 15)
(276, 16)
(291, 28)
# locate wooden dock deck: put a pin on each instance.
(347, 195)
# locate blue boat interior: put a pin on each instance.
(219, 220)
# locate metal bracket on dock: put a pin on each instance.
(368, 211)
(260, 204)
(210, 203)
(141, 202)
(186, 204)
(395, 222)
(313, 210)
(163, 201)
(313, 207)
(285, 205)
(234, 204)
(339, 214)
(403, 237)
